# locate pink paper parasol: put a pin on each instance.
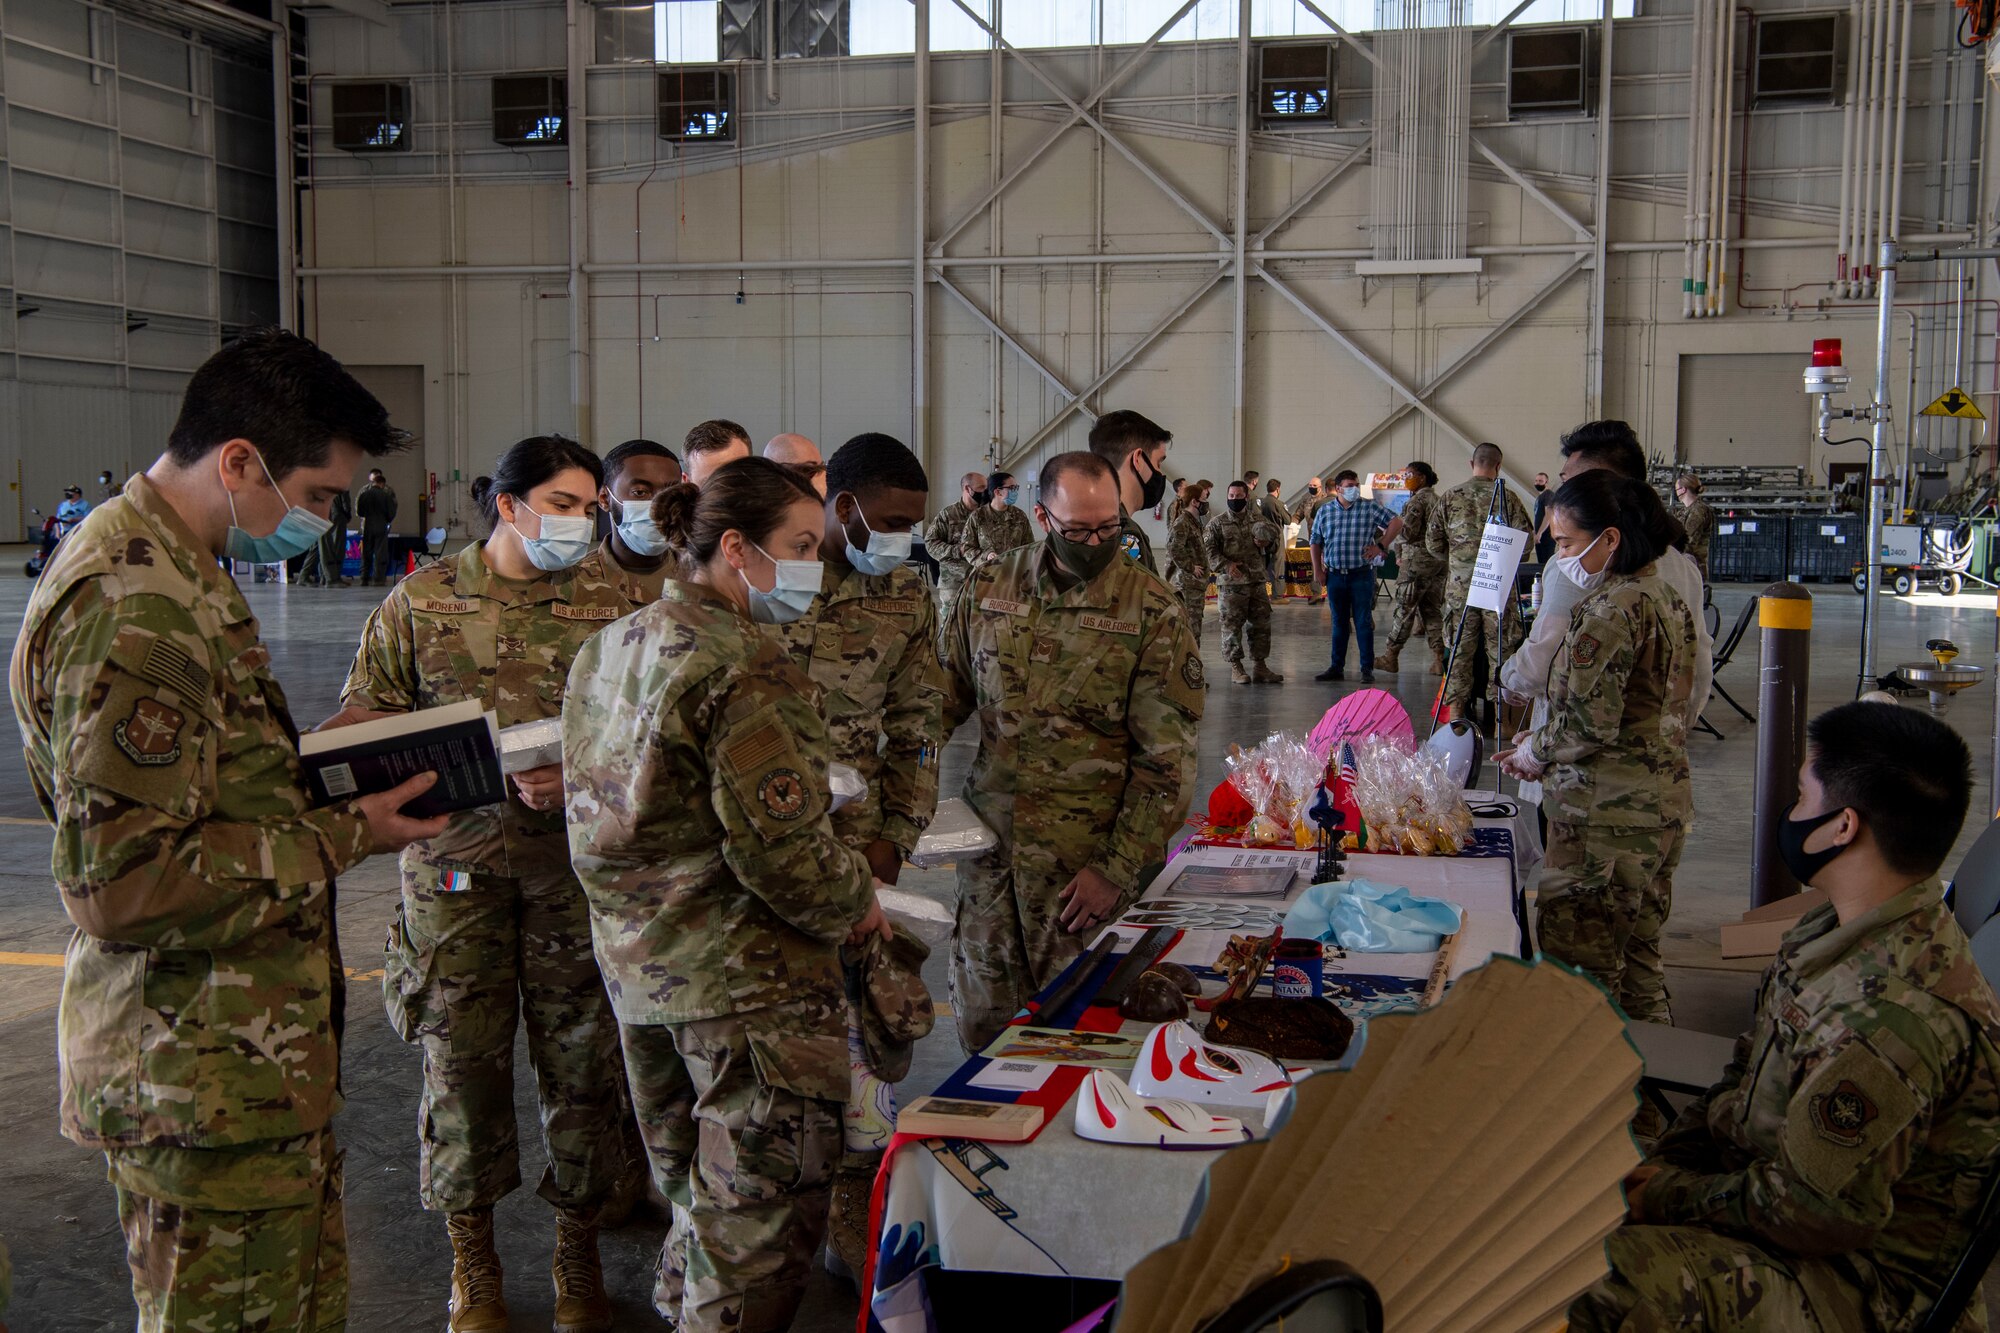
(1363, 713)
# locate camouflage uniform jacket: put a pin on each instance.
(1859, 1120)
(1240, 539)
(1089, 701)
(993, 530)
(1414, 561)
(1615, 739)
(1184, 546)
(870, 644)
(1303, 511)
(1699, 520)
(202, 992)
(941, 537)
(456, 631)
(695, 761)
(1138, 546)
(1452, 532)
(640, 588)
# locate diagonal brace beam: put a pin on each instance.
(1465, 359)
(993, 326)
(1314, 191)
(1144, 167)
(1103, 91)
(1349, 37)
(1492, 34)
(1131, 354)
(1532, 190)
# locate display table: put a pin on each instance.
(1060, 1205)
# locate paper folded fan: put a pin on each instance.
(1468, 1165)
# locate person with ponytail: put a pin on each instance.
(695, 760)
(493, 926)
(1611, 753)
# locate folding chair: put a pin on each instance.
(1975, 888)
(1972, 1264)
(1723, 653)
(433, 548)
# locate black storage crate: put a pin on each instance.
(1824, 547)
(1747, 548)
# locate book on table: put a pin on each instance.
(459, 742)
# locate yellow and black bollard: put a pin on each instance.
(1784, 622)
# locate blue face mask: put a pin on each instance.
(636, 528)
(564, 540)
(792, 593)
(1009, 497)
(298, 531)
(886, 550)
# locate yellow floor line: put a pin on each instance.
(32, 823)
(31, 959)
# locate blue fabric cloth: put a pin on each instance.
(72, 511)
(1366, 917)
(1344, 532)
(1352, 597)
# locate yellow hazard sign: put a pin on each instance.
(1957, 403)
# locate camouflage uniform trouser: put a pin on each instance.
(1478, 625)
(215, 1270)
(1601, 903)
(463, 969)
(1685, 1279)
(1246, 613)
(1194, 600)
(947, 598)
(1006, 944)
(747, 1161)
(1419, 599)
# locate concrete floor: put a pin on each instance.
(57, 1215)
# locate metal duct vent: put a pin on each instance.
(805, 28)
(1422, 130)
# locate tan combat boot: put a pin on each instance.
(476, 1304)
(1263, 675)
(847, 1225)
(1437, 664)
(581, 1305)
(1237, 674)
(1387, 659)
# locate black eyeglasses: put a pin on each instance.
(1084, 536)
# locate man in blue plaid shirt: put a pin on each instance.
(1348, 537)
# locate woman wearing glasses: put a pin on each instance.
(1089, 690)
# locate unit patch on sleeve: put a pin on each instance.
(1583, 652)
(1191, 672)
(783, 793)
(150, 735)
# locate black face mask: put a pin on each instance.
(1083, 560)
(1154, 487)
(1792, 835)
(981, 497)
(1237, 504)
(1540, 487)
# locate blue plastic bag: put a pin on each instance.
(1366, 917)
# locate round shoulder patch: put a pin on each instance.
(1191, 671)
(783, 793)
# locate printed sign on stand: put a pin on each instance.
(1500, 551)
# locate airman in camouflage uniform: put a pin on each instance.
(941, 541)
(1190, 565)
(1235, 543)
(1137, 545)
(1451, 537)
(493, 927)
(1616, 789)
(1829, 1181)
(1089, 696)
(869, 642)
(1698, 517)
(696, 765)
(202, 992)
(1420, 579)
(991, 532)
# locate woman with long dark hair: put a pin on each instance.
(1612, 752)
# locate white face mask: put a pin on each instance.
(1573, 570)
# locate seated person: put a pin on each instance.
(1830, 1181)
